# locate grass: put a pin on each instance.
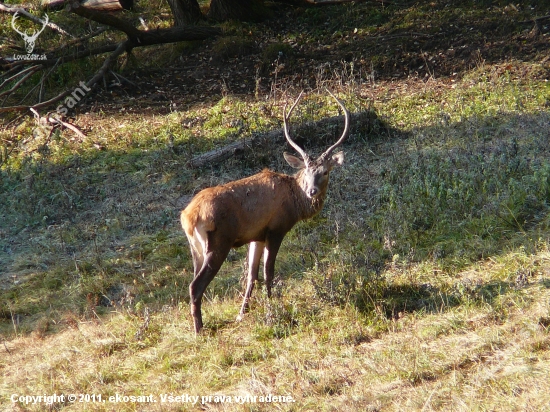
(422, 285)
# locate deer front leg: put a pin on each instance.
(254, 255)
(270, 254)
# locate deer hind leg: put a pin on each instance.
(214, 253)
(254, 255)
(198, 247)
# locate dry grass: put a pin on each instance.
(356, 322)
(423, 285)
(477, 357)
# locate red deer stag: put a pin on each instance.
(259, 210)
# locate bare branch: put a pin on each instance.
(136, 38)
(68, 58)
(535, 20)
(103, 5)
(361, 121)
(105, 18)
(20, 81)
(80, 40)
(121, 48)
(147, 37)
(76, 130)
(18, 74)
(32, 17)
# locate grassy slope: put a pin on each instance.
(423, 285)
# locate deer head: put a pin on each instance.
(314, 174)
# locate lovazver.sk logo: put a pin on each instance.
(29, 39)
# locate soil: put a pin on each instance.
(290, 51)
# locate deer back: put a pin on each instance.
(244, 210)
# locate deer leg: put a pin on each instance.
(213, 260)
(254, 255)
(198, 261)
(198, 244)
(270, 254)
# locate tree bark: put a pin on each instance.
(246, 10)
(103, 5)
(140, 38)
(186, 12)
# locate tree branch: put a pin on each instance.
(32, 17)
(17, 74)
(136, 38)
(105, 18)
(362, 123)
(147, 37)
(121, 48)
(20, 81)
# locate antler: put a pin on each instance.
(287, 135)
(44, 24)
(15, 16)
(344, 133)
(29, 40)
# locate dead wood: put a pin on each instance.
(361, 123)
(121, 48)
(136, 38)
(103, 5)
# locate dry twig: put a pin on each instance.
(20, 10)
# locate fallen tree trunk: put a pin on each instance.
(147, 37)
(102, 5)
(361, 123)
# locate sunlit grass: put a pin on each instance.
(422, 285)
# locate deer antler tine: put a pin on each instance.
(287, 134)
(45, 23)
(346, 127)
(14, 18)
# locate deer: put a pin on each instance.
(29, 39)
(259, 210)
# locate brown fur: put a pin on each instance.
(249, 207)
(259, 210)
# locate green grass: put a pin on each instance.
(429, 258)
(422, 285)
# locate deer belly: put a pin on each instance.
(252, 236)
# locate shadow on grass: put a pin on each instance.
(402, 299)
(75, 230)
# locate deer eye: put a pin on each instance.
(325, 173)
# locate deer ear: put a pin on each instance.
(337, 159)
(294, 161)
